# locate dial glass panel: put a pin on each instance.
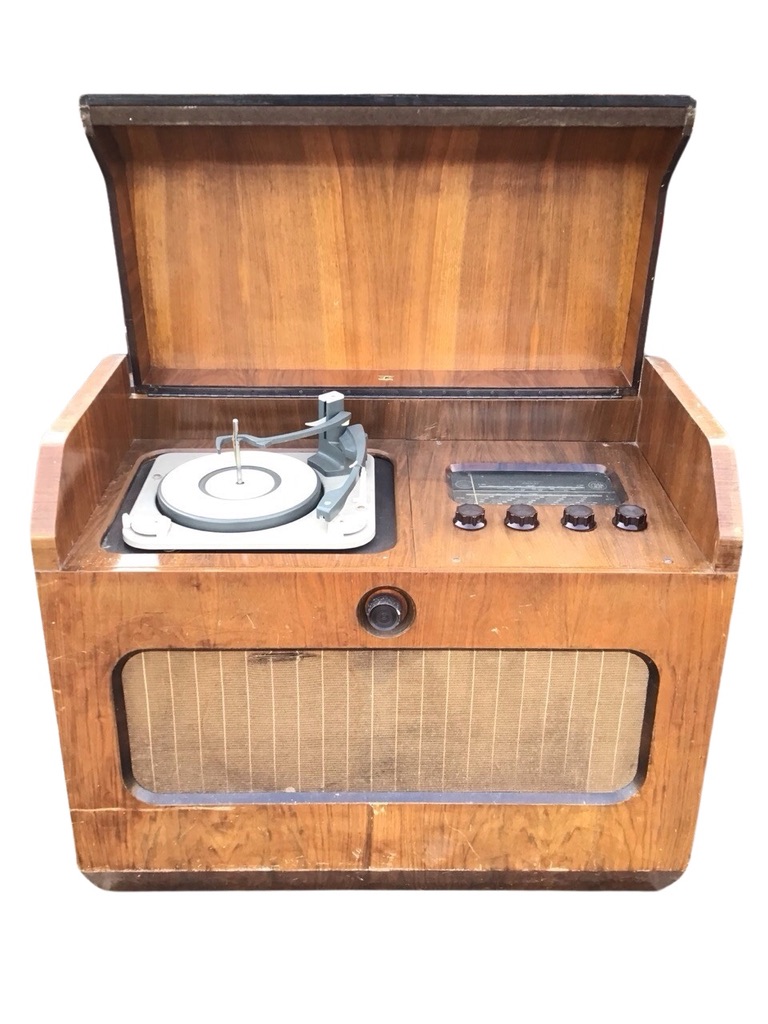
(534, 483)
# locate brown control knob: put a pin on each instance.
(385, 611)
(521, 517)
(578, 517)
(632, 518)
(469, 517)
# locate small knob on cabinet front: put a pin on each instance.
(578, 517)
(469, 517)
(631, 518)
(521, 517)
(385, 611)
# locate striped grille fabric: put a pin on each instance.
(362, 721)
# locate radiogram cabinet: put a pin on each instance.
(496, 691)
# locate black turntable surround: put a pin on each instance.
(385, 517)
(499, 706)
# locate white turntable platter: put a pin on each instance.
(205, 494)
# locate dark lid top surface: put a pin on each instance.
(387, 242)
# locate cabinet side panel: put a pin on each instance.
(688, 452)
(78, 458)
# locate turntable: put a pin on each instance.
(385, 557)
(296, 501)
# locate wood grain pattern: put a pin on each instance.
(116, 176)
(420, 471)
(90, 623)
(521, 419)
(665, 546)
(430, 542)
(483, 254)
(687, 450)
(78, 459)
(616, 593)
(382, 246)
(390, 245)
(384, 379)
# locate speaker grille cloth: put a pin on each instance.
(330, 721)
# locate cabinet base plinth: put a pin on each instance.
(128, 881)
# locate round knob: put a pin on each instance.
(469, 517)
(578, 517)
(632, 518)
(385, 611)
(521, 517)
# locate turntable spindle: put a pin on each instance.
(236, 447)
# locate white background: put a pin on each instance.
(687, 953)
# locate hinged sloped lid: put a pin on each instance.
(387, 243)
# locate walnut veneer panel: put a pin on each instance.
(91, 623)
(666, 546)
(78, 458)
(536, 419)
(388, 379)
(388, 250)
(688, 452)
(426, 538)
